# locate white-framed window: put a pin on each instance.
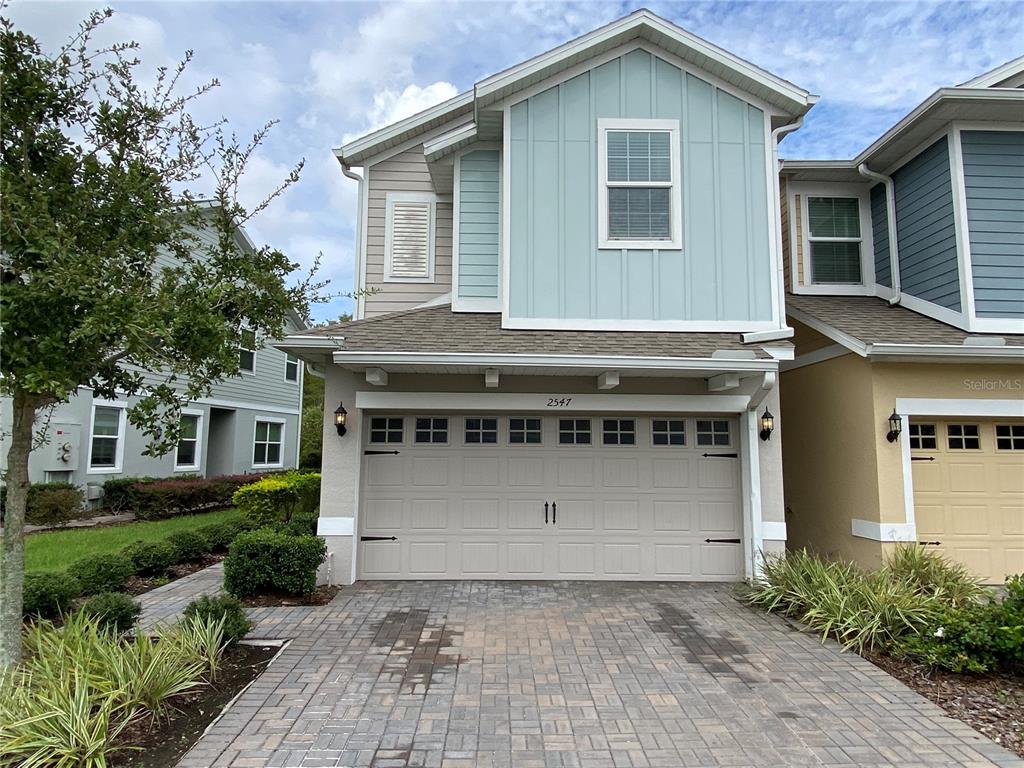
(574, 432)
(409, 237)
(524, 431)
(713, 432)
(481, 430)
(963, 437)
(188, 454)
(268, 443)
(432, 429)
(291, 367)
(834, 240)
(923, 437)
(618, 431)
(387, 429)
(639, 198)
(107, 431)
(247, 351)
(668, 432)
(1010, 437)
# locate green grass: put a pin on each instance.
(56, 550)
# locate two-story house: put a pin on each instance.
(904, 407)
(572, 323)
(249, 423)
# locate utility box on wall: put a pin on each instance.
(63, 448)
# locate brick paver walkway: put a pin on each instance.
(564, 674)
(165, 604)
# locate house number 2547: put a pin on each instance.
(559, 402)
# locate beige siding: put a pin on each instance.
(405, 172)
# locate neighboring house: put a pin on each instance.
(906, 272)
(249, 423)
(572, 324)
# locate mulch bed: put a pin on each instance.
(992, 704)
(163, 743)
(139, 584)
(320, 596)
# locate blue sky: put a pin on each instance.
(330, 71)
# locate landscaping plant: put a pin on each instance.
(266, 560)
(102, 573)
(278, 498)
(53, 504)
(226, 609)
(116, 611)
(190, 545)
(47, 595)
(151, 558)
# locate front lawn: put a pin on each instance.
(55, 550)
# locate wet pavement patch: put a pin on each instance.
(417, 654)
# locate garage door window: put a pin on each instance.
(922, 437)
(432, 430)
(524, 431)
(1010, 437)
(619, 432)
(963, 437)
(386, 429)
(712, 432)
(668, 432)
(481, 431)
(574, 431)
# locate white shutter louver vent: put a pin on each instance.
(410, 237)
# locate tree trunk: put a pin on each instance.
(12, 554)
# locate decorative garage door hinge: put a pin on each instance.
(720, 455)
(378, 538)
(930, 543)
(721, 541)
(380, 453)
(922, 458)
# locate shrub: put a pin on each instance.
(47, 595)
(113, 610)
(119, 495)
(929, 571)
(311, 461)
(154, 499)
(226, 608)
(303, 523)
(267, 560)
(102, 573)
(279, 498)
(53, 503)
(190, 545)
(151, 558)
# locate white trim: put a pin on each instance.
(807, 189)
(773, 531)
(850, 342)
(506, 361)
(997, 325)
(435, 148)
(934, 311)
(252, 447)
(239, 404)
(961, 227)
(298, 421)
(197, 464)
(456, 206)
(122, 432)
(868, 529)
(983, 407)
(584, 324)
(505, 220)
(675, 241)
(951, 351)
(1004, 71)
(298, 366)
(335, 526)
(472, 303)
(537, 403)
(390, 198)
(817, 356)
(363, 212)
(777, 334)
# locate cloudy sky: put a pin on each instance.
(330, 71)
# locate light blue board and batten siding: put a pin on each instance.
(479, 229)
(929, 268)
(723, 272)
(993, 163)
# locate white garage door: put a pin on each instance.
(549, 497)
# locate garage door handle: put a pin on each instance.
(545, 513)
(721, 541)
(378, 538)
(554, 512)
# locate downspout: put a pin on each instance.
(360, 276)
(890, 211)
(780, 277)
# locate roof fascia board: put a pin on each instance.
(850, 342)
(950, 351)
(997, 75)
(435, 148)
(369, 161)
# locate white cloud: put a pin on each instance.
(391, 106)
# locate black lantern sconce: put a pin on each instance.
(340, 414)
(895, 427)
(767, 424)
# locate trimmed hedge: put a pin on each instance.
(47, 594)
(220, 535)
(114, 610)
(190, 545)
(226, 607)
(278, 499)
(118, 493)
(155, 499)
(102, 573)
(266, 560)
(49, 503)
(151, 558)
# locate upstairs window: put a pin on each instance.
(409, 237)
(834, 234)
(291, 368)
(247, 351)
(639, 184)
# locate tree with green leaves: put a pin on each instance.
(98, 178)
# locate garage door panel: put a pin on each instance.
(481, 471)
(525, 472)
(430, 471)
(673, 515)
(526, 514)
(970, 520)
(1010, 478)
(621, 559)
(1012, 519)
(671, 473)
(723, 560)
(481, 514)
(480, 558)
(673, 561)
(966, 476)
(621, 516)
(525, 558)
(1014, 559)
(717, 473)
(575, 515)
(576, 558)
(718, 517)
(931, 520)
(383, 514)
(381, 559)
(428, 514)
(620, 473)
(428, 558)
(384, 471)
(575, 472)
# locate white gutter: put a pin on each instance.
(780, 276)
(886, 349)
(890, 209)
(360, 275)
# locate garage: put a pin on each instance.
(566, 496)
(968, 485)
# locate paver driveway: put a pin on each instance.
(570, 674)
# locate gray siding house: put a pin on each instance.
(249, 423)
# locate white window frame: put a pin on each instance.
(669, 433)
(385, 430)
(198, 462)
(288, 360)
(432, 430)
(934, 436)
(713, 419)
(526, 431)
(675, 242)
(241, 348)
(389, 219)
(481, 431)
(122, 429)
(618, 431)
(252, 450)
(576, 431)
(806, 190)
(963, 437)
(1011, 437)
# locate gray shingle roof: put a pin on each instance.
(873, 321)
(438, 329)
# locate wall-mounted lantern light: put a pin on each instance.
(895, 427)
(767, 424)
(339, 419)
